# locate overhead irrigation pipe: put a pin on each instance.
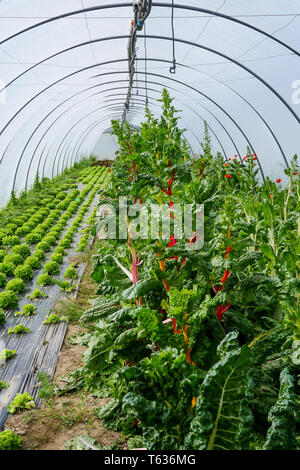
(180, 6)
(94, 86)
(141, 9)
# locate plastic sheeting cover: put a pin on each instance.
(64, 80)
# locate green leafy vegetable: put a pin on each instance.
(21, 401)
(9, 440)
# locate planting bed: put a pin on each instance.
(38, 349)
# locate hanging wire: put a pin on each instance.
(136, 79)
(141, 9)
(146, 77)
(173, 67)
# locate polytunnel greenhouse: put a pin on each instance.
(149, 227)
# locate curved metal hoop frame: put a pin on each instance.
(159, 4)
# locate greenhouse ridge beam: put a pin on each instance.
(158, 4)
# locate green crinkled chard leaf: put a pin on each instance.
(248, 259)
(102, 310)
(126, 337)
(223, 419)
(123, 314)
(97, 352)
(282, 432)
(141, 288)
